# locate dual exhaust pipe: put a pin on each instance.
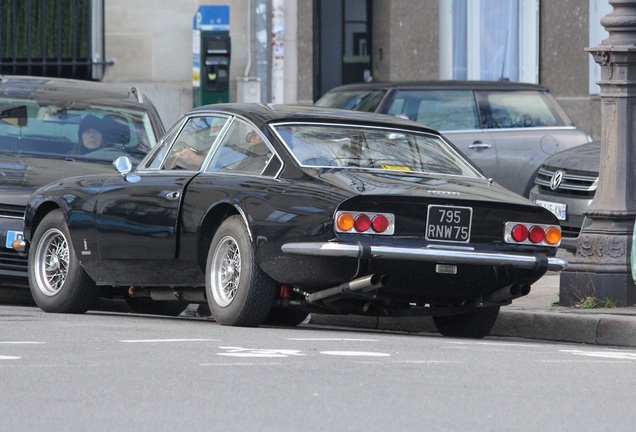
(510, 293)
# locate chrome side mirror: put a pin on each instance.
(123, 165)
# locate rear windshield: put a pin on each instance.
(92, 133)
(368, 148)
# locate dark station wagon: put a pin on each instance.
(42, 121)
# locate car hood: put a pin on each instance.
(586, 157)
(395, 183)
(22, 174)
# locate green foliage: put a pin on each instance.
(45, 28)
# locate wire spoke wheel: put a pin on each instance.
(51, 262)
(239, 293)
(226, 271)
(57, 280)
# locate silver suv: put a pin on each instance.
(566, 184)
(507, 129)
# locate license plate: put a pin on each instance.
(559, 210)
(13, 236)
(448, 223)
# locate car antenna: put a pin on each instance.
(502, 78)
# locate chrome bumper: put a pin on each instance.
(440, 255)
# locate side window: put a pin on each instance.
(156, 160)
(516, 109)
(242, 150)
(191, 146)
(443, 110)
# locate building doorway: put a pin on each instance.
(342, 44)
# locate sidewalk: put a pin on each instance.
(530, 317)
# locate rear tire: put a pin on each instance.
(57, 280)
(475, 324)
(238, 291)
(153, 307)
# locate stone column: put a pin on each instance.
(601, 265)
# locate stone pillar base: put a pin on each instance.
(576, 286)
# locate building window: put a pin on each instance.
(489, 40)
(56, 38)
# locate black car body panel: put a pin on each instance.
(153, 228)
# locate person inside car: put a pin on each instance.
(90, 135)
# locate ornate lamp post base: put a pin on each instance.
(601, 266)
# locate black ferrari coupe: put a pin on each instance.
(270, 212)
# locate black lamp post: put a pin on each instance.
(601, 265)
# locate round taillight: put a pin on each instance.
(379, 223)
(345, 221)
(362, 223)
(536, 234)
(552, 235)
(519, 233)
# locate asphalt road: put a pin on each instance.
(116, 371)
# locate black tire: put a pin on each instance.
(238, 291)
(475, 324)
(58, 282)
(153, 307)
(285, 317)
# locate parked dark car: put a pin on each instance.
(270, 212)
(507, 129)
(566, 184)
(42, 121)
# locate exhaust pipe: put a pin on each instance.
(510, 293)
(190, 294)
(365, 283)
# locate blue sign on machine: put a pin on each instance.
(215, 18)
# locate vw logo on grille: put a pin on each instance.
(556, 180)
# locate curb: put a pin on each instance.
(594, 329)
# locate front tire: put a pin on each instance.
(238, 291)
(475, 324)
(58, 282)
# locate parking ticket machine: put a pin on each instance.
(211, 51)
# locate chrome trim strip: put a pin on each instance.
(441, 256)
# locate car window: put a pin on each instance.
(516, 109)
(438, 109)
(192, 144)
(357, 147)
(92, 132)
(242, 150)
(358, 100)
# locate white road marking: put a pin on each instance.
(333, 339)
(355, 353)
(617, 355)
(241, 364)
(258, 352)
(9, 358)
(167, 340)
(20, 342)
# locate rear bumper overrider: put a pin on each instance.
(436, 254)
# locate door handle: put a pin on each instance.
(479, 145)
(173, 196)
